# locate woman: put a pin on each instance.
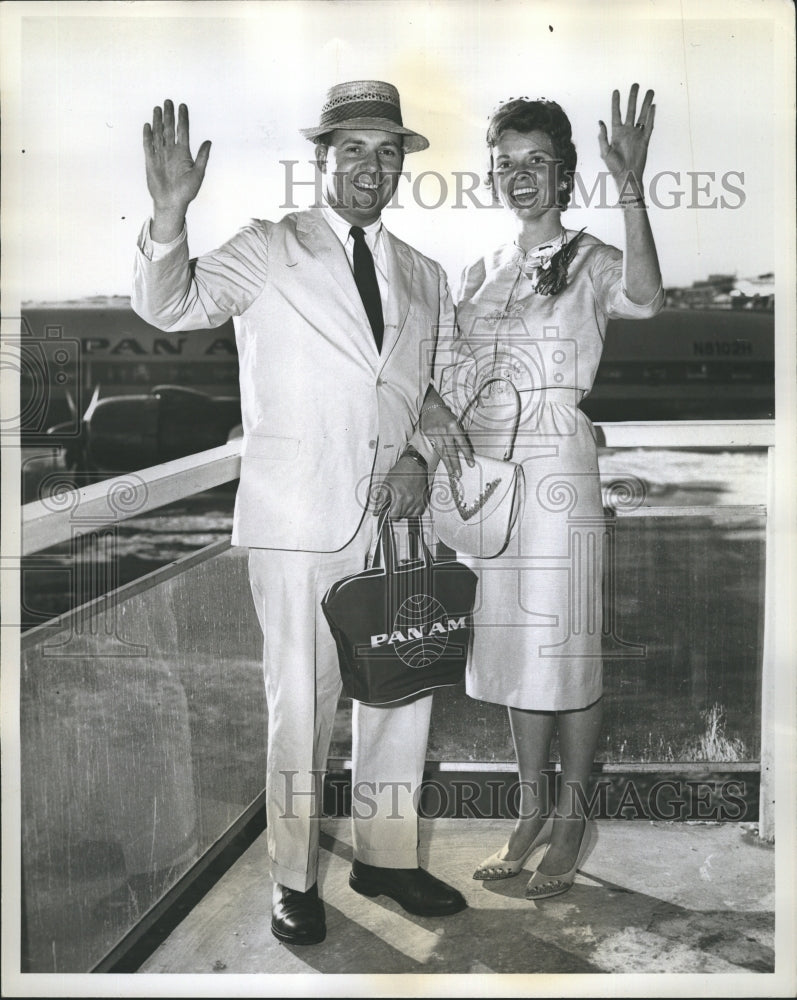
(535, 312)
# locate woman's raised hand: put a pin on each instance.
(174, 177)
(627, 152)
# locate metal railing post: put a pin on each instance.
(766, 802)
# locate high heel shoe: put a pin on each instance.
(498, 867)
(542, 886)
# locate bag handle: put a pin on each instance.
(418, 541)
(518, 407)
(385, 548)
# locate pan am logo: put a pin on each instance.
(420, 631)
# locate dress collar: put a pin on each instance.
(540, 254)
(546, 264)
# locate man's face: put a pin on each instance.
(361, 169)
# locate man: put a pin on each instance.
(335, 320)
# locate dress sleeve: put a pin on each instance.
(454, 356)
(446, 326)
(607, 280)
(173, 292)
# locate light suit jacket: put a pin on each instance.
(324, 414)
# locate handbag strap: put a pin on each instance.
(475, 398)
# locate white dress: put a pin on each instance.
(538, 618)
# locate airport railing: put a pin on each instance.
(70, 513)
(143, 717)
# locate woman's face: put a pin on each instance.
(524, 173)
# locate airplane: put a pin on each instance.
(125, 433)
(152, 397)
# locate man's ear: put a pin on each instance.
(321, 156)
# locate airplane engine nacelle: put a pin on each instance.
(126, 433)
(121, 434)
(191, 421)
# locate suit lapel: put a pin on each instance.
(399, 275)
(316, 236)
(314, 233)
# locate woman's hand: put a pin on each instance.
(444, 433)
(627, 152)
(625, 157)
(174, 177)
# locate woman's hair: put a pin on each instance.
(523, 115)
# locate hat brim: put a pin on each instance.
(413, 142)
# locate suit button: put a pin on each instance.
(372, 444)
(381, 382)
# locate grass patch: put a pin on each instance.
(714, 744)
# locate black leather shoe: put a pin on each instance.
(298, 917)
(414, 889)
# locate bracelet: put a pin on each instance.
(624, 203)
(410, 452)
(433, 406)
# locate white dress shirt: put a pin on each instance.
(374, 241)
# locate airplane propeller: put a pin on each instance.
(95, 398)
(71, 404)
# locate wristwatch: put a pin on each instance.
(410, 452)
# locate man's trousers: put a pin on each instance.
(302, 689)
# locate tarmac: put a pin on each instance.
(651, 899)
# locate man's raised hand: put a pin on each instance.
(174, 177)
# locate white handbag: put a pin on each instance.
(478, 512)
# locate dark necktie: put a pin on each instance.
(367, 285)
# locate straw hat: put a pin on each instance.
(365, 104)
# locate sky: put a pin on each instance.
(254, 73)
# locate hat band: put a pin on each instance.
(360, 109)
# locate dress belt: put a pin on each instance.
(498, 395)
(556, 394)
(543, 394)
